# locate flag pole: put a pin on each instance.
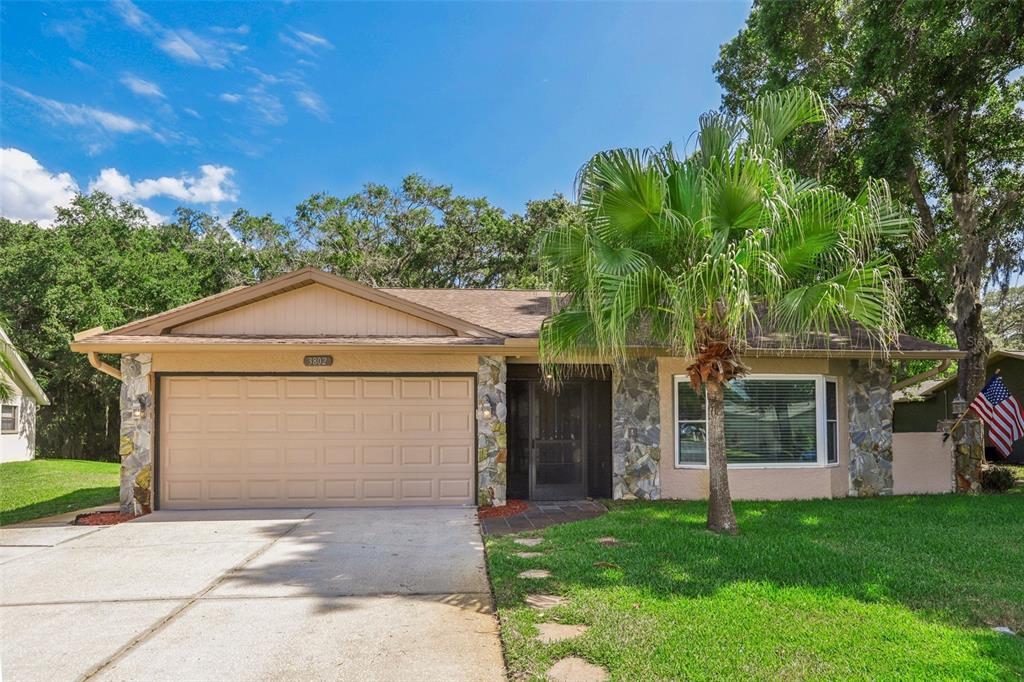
(952, 428)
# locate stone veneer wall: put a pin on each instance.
(636, 431)
(869, 399)
(968, 444)
(491, 430)
(136, 447)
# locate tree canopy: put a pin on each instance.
(925, 95)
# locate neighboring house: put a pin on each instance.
(311, 390)
(18, 415)
(920, 408)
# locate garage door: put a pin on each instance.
(273, 441)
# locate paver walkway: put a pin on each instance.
(540, 515)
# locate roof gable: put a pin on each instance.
(313, 310)
(174, 321)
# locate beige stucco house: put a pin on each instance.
(18, 414)
(311, 390)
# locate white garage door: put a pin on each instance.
(296, 441)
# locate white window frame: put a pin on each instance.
(17, 421)
(820, 411)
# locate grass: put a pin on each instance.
(42, 487)
(879, 589)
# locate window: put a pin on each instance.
(769, 421)
(831, 422)
(8, 418)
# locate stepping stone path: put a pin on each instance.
(1004, 630)
(535, 574)
(575, 669)
(556, 632)
(543, 602)
(610, 542)
(529, 555)
(528, 542)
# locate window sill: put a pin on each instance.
(778, 465)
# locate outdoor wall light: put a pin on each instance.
(959, 405)
(140, 409)
(486, 410)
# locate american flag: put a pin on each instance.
(1002, 413)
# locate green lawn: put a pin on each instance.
(879, 589)
(41, 487)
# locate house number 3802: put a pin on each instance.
(318, 360)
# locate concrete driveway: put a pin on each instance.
(367, 594)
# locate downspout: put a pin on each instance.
(923, 376)
(94, 360)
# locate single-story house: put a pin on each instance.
(920, 408)
(311, 390)
(18, 415)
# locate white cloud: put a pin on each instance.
(30, 192)
(213, 185)
(240, 30)
(302, 41)
(313, 103)
(152, 217)
(142, 87)
(98, 121)
(265, 106)
(81, 66)
(191, 112)
(181, 44)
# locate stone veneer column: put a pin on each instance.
(136, 447)
(869, 398)
(636, 431)
(491, 431)
(967, 441)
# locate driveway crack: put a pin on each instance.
(149, 632)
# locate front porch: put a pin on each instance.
(596, 436)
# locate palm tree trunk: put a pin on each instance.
(721, 518)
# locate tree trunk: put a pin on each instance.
(968, 274)
(721, 518)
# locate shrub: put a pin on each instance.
(997, 479)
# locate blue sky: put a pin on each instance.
(220, 105)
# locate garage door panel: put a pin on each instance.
(340, 422)
(341, 388)
(224, 388)
(302, 388)
(316, 441)
(341, 490)
(416, 388)
(263, 389)
(299, 422)
(378, 388)
(378, 423)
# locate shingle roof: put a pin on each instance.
(513, 312)
(520, 312)
(192, 339)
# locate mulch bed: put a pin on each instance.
(511, 508)
(102, 518)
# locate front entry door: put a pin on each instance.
(558, 448)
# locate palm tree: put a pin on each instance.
(693, 254)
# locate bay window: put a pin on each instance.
(770, 420)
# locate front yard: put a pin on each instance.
(42, 487)
(888, 588)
